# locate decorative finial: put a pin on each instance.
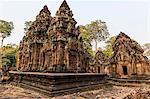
(44, 10)
(64, 5)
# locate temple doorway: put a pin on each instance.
(125, 70)
(99, 70)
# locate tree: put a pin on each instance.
(98, 31)
(108, 51)
(8, 60)
(5, 31)
(27, 25)
(9, 55)
(86, 39)
(85, 35)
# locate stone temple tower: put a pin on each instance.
(52, 44)
(32, 42)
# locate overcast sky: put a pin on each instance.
(129, 16)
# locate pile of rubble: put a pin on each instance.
(143, 93)
(114, 92)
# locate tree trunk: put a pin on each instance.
(96, 43)
(2, 42)
(1, 52)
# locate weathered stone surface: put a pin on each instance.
(53, 84)
(52, 44)
(29, 49)
(98, 65)
(128, 58)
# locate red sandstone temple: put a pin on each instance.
(52, 44)
(128, 58)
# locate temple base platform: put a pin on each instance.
(54, 84)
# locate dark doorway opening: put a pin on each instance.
(125, 70)
(99, 70)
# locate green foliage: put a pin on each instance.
(5, 31)
(84, 34)
(90, 51)
(108, 51)
(5, 28)
(98, 31)
(27, 25)
(9, 55)
(95, 31)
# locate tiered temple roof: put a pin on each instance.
(125, 49)
(52, 44)
(128, 58)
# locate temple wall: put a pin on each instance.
(59, 83)
(119, 69)
(141, 68)
(128, 60)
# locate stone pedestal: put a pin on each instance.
(53, 84)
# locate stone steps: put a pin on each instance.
(128, 82)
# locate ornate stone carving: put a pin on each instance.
(128, 58)
(52, 44)
(98, 65)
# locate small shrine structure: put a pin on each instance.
(128, 58)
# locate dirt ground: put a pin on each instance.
(12, 92)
